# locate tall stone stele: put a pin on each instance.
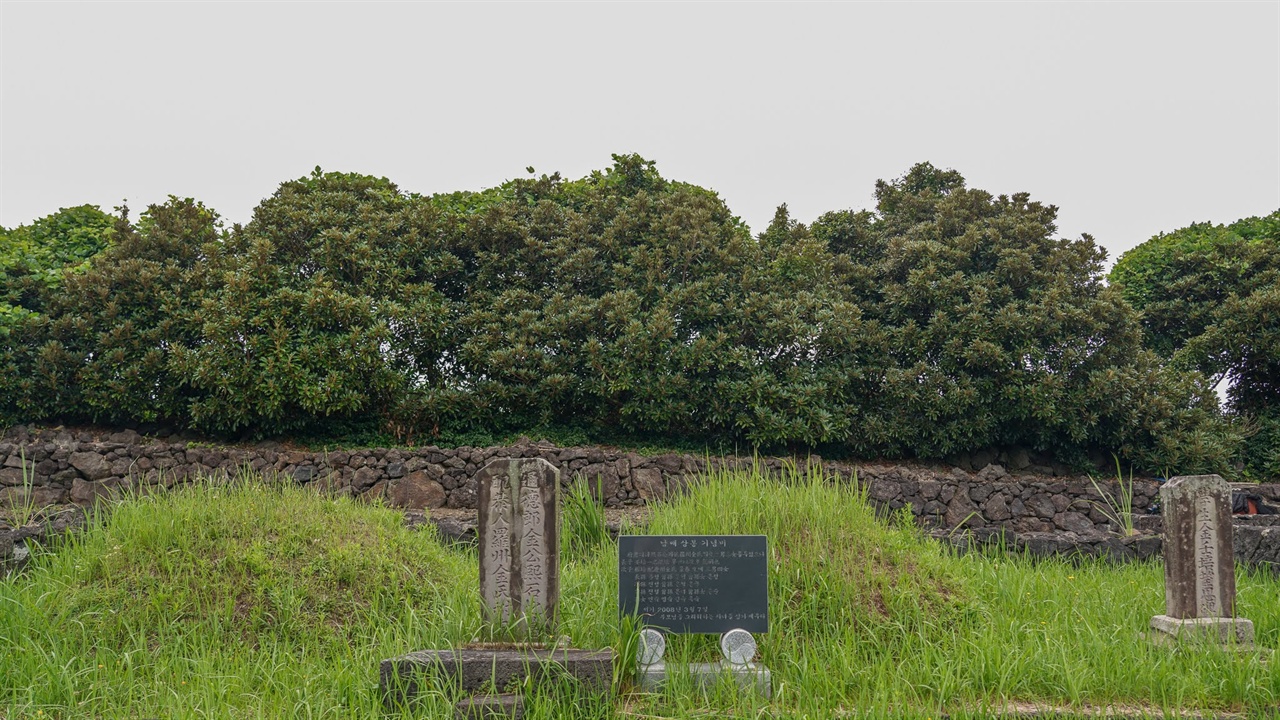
(520, 542)
(1199, 562)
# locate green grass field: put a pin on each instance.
(268, 601)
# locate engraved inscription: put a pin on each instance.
(519, 558)
(1199, 567)
(497, 590)
(1208, 592)
(695, 583)
(533, 551)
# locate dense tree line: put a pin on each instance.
(1210, 301)
(945, 319)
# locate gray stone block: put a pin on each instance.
(1204, 629)
(477, 670)
(487, 707)
(749, 677)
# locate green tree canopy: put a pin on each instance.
(34, 258)
(1210, 299)
(627, 301)
(945, 319)
(1001, 334)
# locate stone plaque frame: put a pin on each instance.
(695, 583)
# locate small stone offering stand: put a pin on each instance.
(697, 584)
(1199, 564)
(519, 536)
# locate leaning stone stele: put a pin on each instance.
(1199, 562)
(520, 542)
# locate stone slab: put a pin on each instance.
(750, 677)
(1200, 573)
(519, 533)
(508, 706)
(473, 671)
(695, 583)
(1206, 629)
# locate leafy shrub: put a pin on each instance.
(624, 300)
(1209, 296)
(34, 258)
(998, 333)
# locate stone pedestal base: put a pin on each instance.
(478, 670)
(490, 707)
(750, 677)
(1238, 631)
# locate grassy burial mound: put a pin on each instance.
(251, 600)
(272, 599)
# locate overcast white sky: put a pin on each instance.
(1131, 118)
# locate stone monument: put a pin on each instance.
(520, 541)
(520, 586)
(1199, 563)
(694, 584)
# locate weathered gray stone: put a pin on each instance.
(601, 479)
(648, 483)
(979, 493)
(509, 706)
(464, 495)
(91, 465)
(125, 437)
(1073, 522)
(1246, 541)
(961, 511)
(748, 677)
(670, 463)
(992, 473)
(1143, 546)
(520, 541)
(996, 508)
(87, 493)
(416, 491)
(478, 670)
(1200, 579)
(1060, 502)
(38, 496)
(1041, 505)
(454, 528)
(1045, 544)
(1224, 630)
(884, 490)
(364, 478)
(12, 476)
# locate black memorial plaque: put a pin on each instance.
(695, 583)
